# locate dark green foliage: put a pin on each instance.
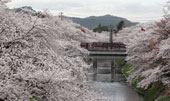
(20, 79)
(88, 60)
(39, 14)
(126, 69)
(99, 25)
(33, 13)
(136, 81)
(25, 7)
(100, 28)
(34, 98)
(120, 62)
(154, 91)
(120, 26)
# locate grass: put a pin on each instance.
(150, 94)
(136, 81)
(120, 62)
(126, 67)
(154, 91)
(126, 70)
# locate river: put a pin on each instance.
(114, 91)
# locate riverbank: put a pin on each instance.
(155, 92)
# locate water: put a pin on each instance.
(104, 77)
(113, 87)
(116, 91)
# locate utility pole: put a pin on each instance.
(61, 15)
(111, 34)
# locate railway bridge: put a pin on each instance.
(104, 56)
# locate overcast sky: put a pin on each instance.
(134, 10)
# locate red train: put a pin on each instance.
(103, 45)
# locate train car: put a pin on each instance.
(114, 45)
(103, 45)
(95, 44)
(117, 45)
(84, 45)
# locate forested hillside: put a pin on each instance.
(106, 20)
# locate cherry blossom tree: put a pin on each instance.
(149, 51)
(40, 59)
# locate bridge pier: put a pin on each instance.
(95, 69)
(104, 65)
(106, 70)
(112, 69)
(102, 70)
